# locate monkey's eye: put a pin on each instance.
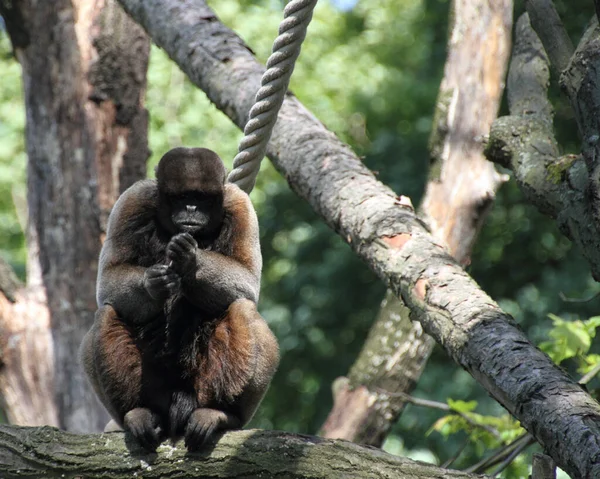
(184, 198)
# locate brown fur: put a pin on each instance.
(118, 357)
(228, 363)
(237, 204)
(201, 359)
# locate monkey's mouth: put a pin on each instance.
(191, 223)
(188, 227)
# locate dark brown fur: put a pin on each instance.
(199, 358)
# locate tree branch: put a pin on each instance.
(389, 237)
(461, 188)
(525, 142)
(45, 451)
(547, 24)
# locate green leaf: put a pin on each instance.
(569, 338)
(462, 406)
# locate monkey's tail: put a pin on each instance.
(182, 406)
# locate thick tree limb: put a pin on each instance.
(581, 82)
(474, 331)
(461, 188)
(565, 188)
(41, 452)
(525, 141)
(550, 29)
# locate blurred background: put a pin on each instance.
(370, 71)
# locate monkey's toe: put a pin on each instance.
(202, 426)
(144, 425)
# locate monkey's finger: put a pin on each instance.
(198, 432)
(175, 253)
(161, 275)
(171, 277)
(175, 249)
(185, 238)
(157, 280)
(173, 286)
(148, 438)
(194, 437)
(157, 270)
(183, 244)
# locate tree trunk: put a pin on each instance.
(26, 360)
(84, 71)
(460, 190)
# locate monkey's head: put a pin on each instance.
(191, 182)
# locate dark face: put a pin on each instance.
(190, 185)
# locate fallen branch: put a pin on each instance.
(46, 451)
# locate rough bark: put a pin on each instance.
(385, 232)
(26, 372)
(27, 452)
(566, 188)
(547, 24)
(84, 65)
(391, 361)
(543, 467)
(461, 188)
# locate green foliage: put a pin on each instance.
(570, 339)
(12, 158)
(485, 433)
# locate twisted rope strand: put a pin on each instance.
(269, 98)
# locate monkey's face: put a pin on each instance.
(197, 213)
(190, 192)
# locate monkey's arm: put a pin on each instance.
(219, 280)
(223, 280)
(122, 287)
(137, 293)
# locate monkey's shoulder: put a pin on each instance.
(132, 228)
(236, 201)
(238, 208)
(137, 202)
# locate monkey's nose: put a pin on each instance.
(190, 208)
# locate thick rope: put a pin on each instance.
(274, 84)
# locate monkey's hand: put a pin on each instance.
(181, 252)
(161, 282)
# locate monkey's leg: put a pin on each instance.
(266, 359)
(114, 365)
(251, 360)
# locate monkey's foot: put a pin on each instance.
(144, 425)
(204, 423)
